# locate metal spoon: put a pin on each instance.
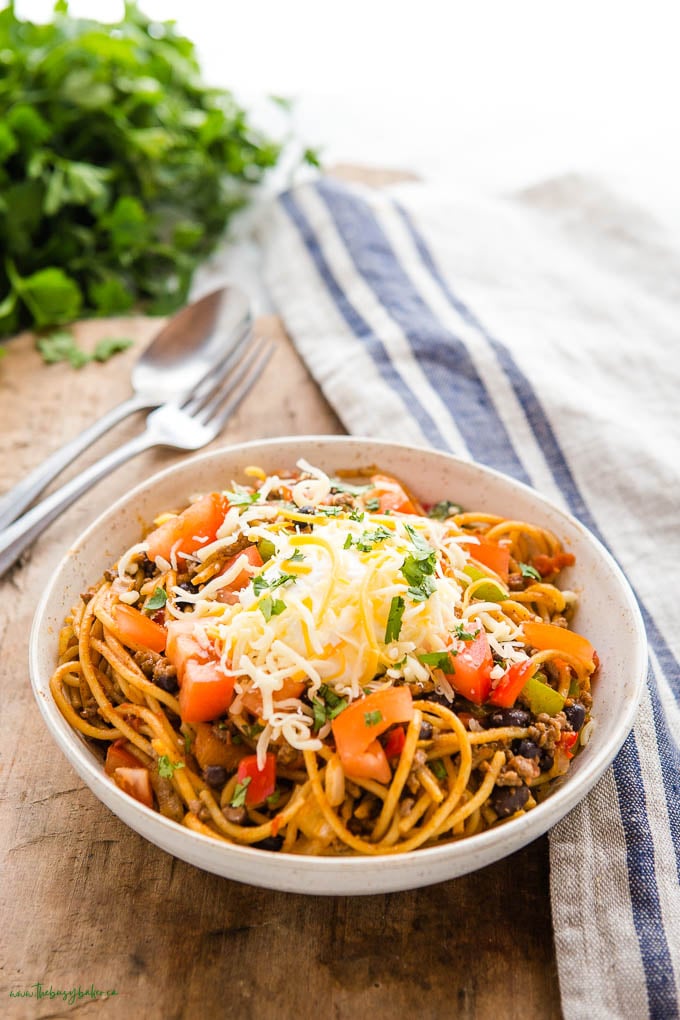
(194, 340)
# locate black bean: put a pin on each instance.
(546, 761)
(425, 731)
(306, 510)
(526, 748)
(505, 800)
(508, 717)
(270, 843)
(148, 566)
(215, 775)
(166, 682)
(576, 715)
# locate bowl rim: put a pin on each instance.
(523, 830)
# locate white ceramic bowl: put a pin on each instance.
(607, 614)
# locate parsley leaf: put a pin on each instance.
(240, 791)
(438, 660)
(373, 718)
(157, 600)
(393, 628)
(529, 571)
(120, 166)
(167, 768)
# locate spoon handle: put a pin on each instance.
(24, 492)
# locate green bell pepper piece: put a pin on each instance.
(542, 698)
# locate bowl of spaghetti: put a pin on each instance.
(333, 665)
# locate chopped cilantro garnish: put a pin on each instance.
(445, 508)
(262, 582)
(372, 504)
(438, 660)
(462, 634)
(368, 539)
(326, 706)
(356, 514)
(166, 767)
(253, 731)
(239, 798)
(271, 607)
(353, 490)
(437, 766)
(274, 798)
(423, 590)
(529, 571)
(157, 600)
(419, 566)
(296, 557)
(348, 542)
(393, 628)
(242, 498)
(329, 511)
(373, 718)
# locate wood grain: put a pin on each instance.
(84, 901)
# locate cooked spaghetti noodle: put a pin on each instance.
(316, 666)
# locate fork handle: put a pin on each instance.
(24, 492)
(18, 536)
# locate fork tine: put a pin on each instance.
(217, 413)
(210, 382)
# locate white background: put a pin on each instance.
(484, 96)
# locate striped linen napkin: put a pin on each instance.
(538, 335)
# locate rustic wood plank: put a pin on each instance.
(86, 901)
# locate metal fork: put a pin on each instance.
(185, 426)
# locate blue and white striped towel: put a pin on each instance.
(538, 335)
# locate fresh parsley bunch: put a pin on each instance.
(119, 168)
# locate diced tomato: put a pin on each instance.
(186, 640)
(369, 764)
(357, 728)
(227, 594)
(392, 496)
(566, 742)
(252, 700)
(194, 527)
(546, 565)
(205, 693)
(471, 674)
(495, 557)
(395, 741)
(118, 757)
(548, 635)
(136, 630)
(135, 782)
(510, 685)
(262, 781)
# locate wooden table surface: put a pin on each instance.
(87, 902)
